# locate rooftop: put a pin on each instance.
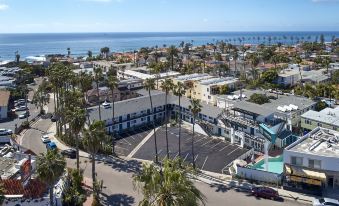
(281, 100)
(219, 81)
(149, 76)
(193, 77)
(320, 141)
(327, 116)
(7, 165)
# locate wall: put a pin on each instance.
(258, 175)
(327, 163)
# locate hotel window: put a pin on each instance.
(315, 164)
(297, 161)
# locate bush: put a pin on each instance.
(259, 99)
(25, 125)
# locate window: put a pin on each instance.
(315, 164)
(208, 89)
(209, 97)
(297, 161)
(308, 121)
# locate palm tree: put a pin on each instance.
(167, 86)
(89, 54)
(298, 60)
(179, 90)
(68, 52)
(195, 109)
(326, 62)
(50, 167)
(169, 186)
(235, 58)
(113, 84)
(156, 71)
(94, 139)
(98, 77)
(77, 119)
(85, 84)
(105, 51)
(149, 85)
(172, 52)
(254, 63)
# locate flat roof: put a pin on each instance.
(327, 116)
(6, 165)
(149, 76)
(142, 103)
(320, 141)
(195, 77)
(219, 81)
(271, 107)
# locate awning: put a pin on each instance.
(305, 180)
(296, 171)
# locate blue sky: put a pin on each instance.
(30, 16)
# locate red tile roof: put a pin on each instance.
(34, 189)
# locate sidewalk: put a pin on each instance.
(214, 178)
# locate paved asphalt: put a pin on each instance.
(118, 187)
(10, 124)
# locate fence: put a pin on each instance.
(258, 175)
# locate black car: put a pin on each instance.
(71, 153)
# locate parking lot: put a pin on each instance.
(128, 141)
(210, 154)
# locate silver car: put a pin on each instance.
(325, 201)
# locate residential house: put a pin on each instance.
(326, 118)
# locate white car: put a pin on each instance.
(106, 105)
(9, 131)
(45, 139)
(325, 201)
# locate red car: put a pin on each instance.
(265, 192)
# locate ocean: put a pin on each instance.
(80, 43)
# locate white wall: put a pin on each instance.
(327, 163)
(258, 175)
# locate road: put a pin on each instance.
(10, 124)
(118, 187)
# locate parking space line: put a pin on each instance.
(232, 151)
(196, 157)
(186, 156)
(207, 142)
(127, 141)
(176, 155)
(202, 167)
(224, 148)
(216, 144)
(199, 140)
(117, 147)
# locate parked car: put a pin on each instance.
(265, 192)
(9, 131)
(24, 115)
(3, 132)
(325, 201)
(21, 108)
(71, 153)
(51, 146)
(45, 139)
(106, 105)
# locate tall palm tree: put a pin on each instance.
(167, 86)
(50, 167)
(98, 77)
(235, 58)
(195, 109)
(113, 84)
(156, 71)
(77, 119)
(68, 52)
(172, 52)
(169, 186)
(254, 63)
(85, 84)
(179, 90)
(149, 85)
(298, 61)
(94, 139)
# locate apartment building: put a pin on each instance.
(326, 118)
(205, 87)
(312, 162)
(276, 121)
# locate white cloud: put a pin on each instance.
(3, 7)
